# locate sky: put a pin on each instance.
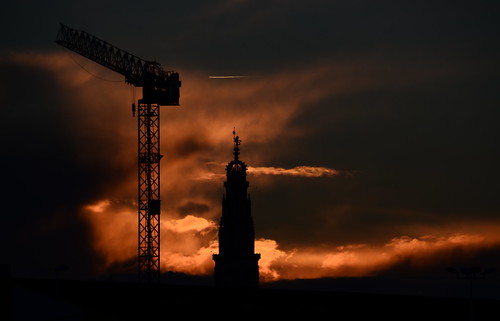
(370, 129)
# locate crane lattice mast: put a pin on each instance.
(160, 88)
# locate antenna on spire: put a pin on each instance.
(237, 140)
(237, 143)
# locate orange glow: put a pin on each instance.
(189, 242)
(116, 244)
(187, 245)
(367, 260)
(197, 142)
(270, 253)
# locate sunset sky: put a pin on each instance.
(370, 128)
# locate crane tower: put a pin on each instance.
(159, 88)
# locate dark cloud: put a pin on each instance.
(190, 145)
(49, 173)
(402, 95)
(421, 146)
(249, 36)
(435, 262)
(193, 208)
(42, 178)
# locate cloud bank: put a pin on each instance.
(189, 242)
(403, 95)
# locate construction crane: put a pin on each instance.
(159, 88)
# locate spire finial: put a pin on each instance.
(237, 143)
(237, 140)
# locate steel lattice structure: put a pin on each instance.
(149, 192)
(160, 88)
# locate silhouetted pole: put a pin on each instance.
(470, 273)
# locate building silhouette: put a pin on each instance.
(236, 265)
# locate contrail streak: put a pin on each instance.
(229, 77)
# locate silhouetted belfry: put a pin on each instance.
(236, 265)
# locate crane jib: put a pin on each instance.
(159, 86)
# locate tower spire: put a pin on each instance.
(236, 264)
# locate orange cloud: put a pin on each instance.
(300, 171)
(187, 245)
(189, 223)
(270, 252)
(114, 230)
(303, 171)
(199, 131)
(358, 260)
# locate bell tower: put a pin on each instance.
(236, 265)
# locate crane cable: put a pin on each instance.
(90, 73)
(132, 89)
(132, 97)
